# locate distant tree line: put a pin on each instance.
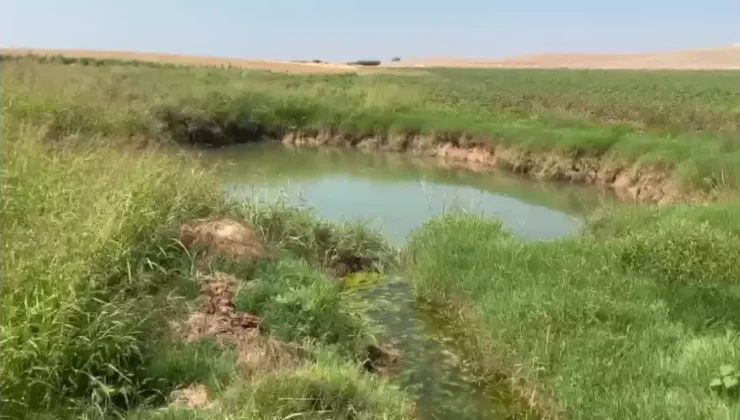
(371, 62)
(364, 63)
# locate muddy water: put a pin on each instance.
(397, 193)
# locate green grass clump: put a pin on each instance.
(328, 388)
(298, 303)
(337, 248)
(631, 322)
(202, 361)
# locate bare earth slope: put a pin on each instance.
(722, 58)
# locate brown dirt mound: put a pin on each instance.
(222, 238)
(218, 318)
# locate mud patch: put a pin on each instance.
(381, 358)
(217, 318)
(222, 238)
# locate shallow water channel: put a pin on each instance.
(397, 193)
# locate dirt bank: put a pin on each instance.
(628, 181)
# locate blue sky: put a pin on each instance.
(343, 30)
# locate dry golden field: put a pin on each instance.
(722, 58)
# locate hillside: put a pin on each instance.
(725, 58)
(721, 58)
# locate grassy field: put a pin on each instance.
(94, 272)
(682, 123)
(631, 320)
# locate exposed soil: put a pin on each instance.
(630, 183)
(217, 318)
(222, 237)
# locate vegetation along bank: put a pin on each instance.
(132, 289)
(108, 235)
(652, 136)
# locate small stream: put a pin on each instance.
(397, 193)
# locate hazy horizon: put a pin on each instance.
(334, 30)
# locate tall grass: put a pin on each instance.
(92, 267)
(630, 321)
(669, 101)
(338, 248)
(87, 241)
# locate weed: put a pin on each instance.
(298, 303)
(628, 325)
(87, 245)
(339, 248)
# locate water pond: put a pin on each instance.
(397, 193)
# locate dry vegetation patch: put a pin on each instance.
(189, 60)
(222, 237)
(191, 396)
(721, 58)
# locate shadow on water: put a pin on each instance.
(399, 193)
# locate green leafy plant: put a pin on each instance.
(727, 382)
